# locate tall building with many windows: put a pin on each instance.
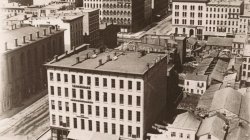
(24, 51)
(129, 15)
(205, 18)
(114, 92)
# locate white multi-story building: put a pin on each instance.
(113, 93)
(189, 17)
(195, 84)
(205, 18)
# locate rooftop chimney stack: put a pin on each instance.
(24, 39)
(77, 59)
(87, 56)
(56, 58)
(50, 30)
(100, 62)
(108, 58)
(16, 42)
(66, 52)
(31, 37)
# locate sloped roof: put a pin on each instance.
(228, 99)
(213, 126)
(219, 70)
(195, 77)
(220, 41)
(192, 40)
(245, 106)
(238, 131)
(186, 120)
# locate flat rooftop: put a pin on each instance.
(225, 3)
(120, 62)
(9, 36)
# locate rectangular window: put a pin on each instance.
(121, 84)
(67, 106)
(138, 100)
(138, 132)
(58, 77)
(105, 127)
(53, 120)
(81, 94)
(59, 105)
(65, 78)
(81, 79)
(59, 91)
(113, 128)
(113, 97)
(104, 82)
(105, 98)
(90, 125)
(82, 124)
(121, 114)
(75, 122)
(173, 134)
(129, 115)
(129, 99)
(52, 90)
(73, 79)
(130, 85)
(88, 80)
(52, 104)
(121, 130)
(113, 83)
(97, 110)
(129, 131)
(66, 90)
(51, 76)
(96, 81)
(113, 113)
(138, 87)
(73, 93)
(82, 108)
(97, 96)
(97, 126)
(67, 122)
(60, 121)
(89, 95)
(89, 109)
(138, 116)
(74, 107)
(105, 111)
(121, 98)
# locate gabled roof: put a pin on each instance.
(238, 131)
(192, 40)
(219, 70)
(213, 126)
(220, 41)
(197, 77)
(245, 106)
(187, 121)
(228, 99)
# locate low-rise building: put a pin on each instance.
(13, 8)
(184, 127)
(23, 52)
(219, 43)
(108, 35)
(239, 42)
(212, 128)
(112, 92)
(195, 84)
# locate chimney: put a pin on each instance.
(6, 46)
(44, 32)
(100, 62)
(74, 48)
(77, 59)
(14, 26)
(31, 37)
(24, 41)
(108, 58)
(148, 65)
(94, 51)
(87, 56)
(16, 42)
(37, 34)
(66, 52)
(56, 58)
(232, 68)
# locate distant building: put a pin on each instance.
(22, 2)
(212, 128)
(23, 53)
(239, 43)
(219, 43)
(129, 15)
(73, 36)
(184, 127)
(108, 35)
(246, 63)
(196, 84)
(12, 8)
(226, 101)
(111, 92)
